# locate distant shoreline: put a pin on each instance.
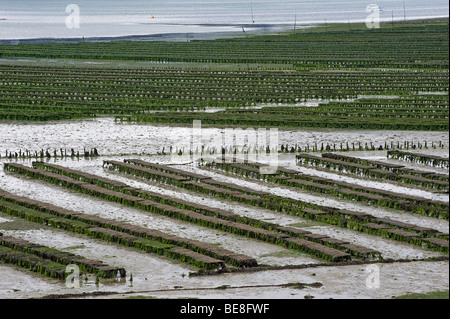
(252, 29)
(181, 37)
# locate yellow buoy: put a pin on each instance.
(152, 17)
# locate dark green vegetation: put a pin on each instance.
(430, 295)
(33, 263)
(402, 62)
(376, 170)
(321, 246)
(49, 261)
(421, 47)
(415, 112)
(384, 227)
(431, 160)
(342, 190)
(199, 254)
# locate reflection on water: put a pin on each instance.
(27, 19)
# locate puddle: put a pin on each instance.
(91, 205)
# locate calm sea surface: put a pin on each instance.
(31, 19)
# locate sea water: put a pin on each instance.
(45, 19)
